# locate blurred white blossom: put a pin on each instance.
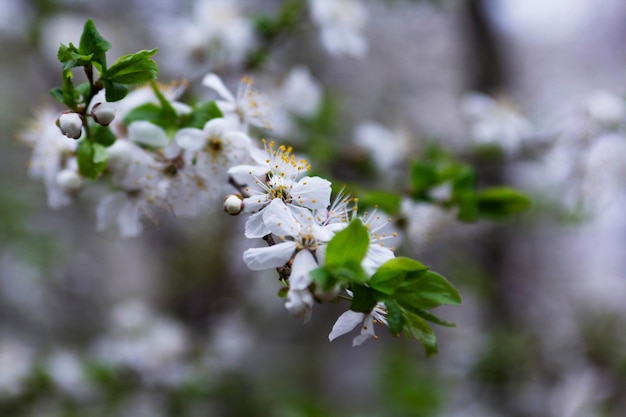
(495, 122)
(16, 364)
(341, 23)
(298, 96)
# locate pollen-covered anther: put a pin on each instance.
(233, 204)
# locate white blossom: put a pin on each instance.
(297, 232)
(494, 122)
(299, 95)
(143, 341)
(278, 177)
(247, 107)
(341, 23)
(607, 109)
(387, 148)
(351, 319)
(383, 238)
(214, 149)
(67, 373)
(51, 153)
(16, 363)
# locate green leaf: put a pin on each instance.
(426, 290)
(423, 177)
(92, 43)
(203, 113)
(169, 113)
(422, 332)
(150, 112)
(464, 195)
(501, 203)
(387, 201)
(84, 90)
(102, 135)
(429, 316)
(395, 316)
(364, 299)
(91, 158)
(114, 91)
(349, 246)
(392, 274)
(71, 57)
(57, 93)
(70, 96)
(134, 68)
(100, 154)
(322, 277)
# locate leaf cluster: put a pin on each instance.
(439, 168)
(406, 287)
(90, 54)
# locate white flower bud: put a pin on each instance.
(103, 113)
(69, 181)
(299, 303)
(233, 204)
(71, 124)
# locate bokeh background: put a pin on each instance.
(173, 324)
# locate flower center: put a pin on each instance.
(214, 146)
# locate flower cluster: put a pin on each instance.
(159, 154)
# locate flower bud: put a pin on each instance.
(103, 113)
(69, 181)
(233, 204)
(299, 303)
(71, 124)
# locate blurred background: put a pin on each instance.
(172, 323)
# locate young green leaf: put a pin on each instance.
(149, 112)
(102, 135)
(364, 299)
(349, 246)
(392, 274)
(134, 68)
(203, 113)
(387, 201)
(91, 158)
(114, 91)
(92, 43)
(501, 203)
(426, 290)
(429, 316)
(422, 332)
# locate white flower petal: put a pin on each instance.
(191, 139)
(274, 256)
(345, 323)
(129, 221)
(376, 256)
(299, 303)
(109, 208)
(255, 227)
(214, 82)
(367, 331)
(147, 133)
(303, 264)
(279, 219)
(312, 192)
